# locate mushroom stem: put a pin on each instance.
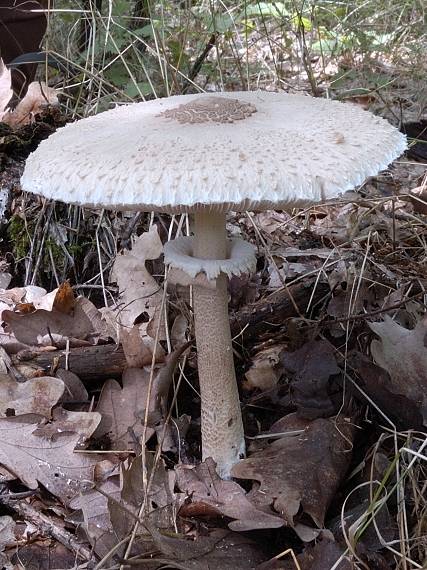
(222, 427)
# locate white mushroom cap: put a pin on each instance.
(226, 151)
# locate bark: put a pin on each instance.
(90, 363)
(95, 363)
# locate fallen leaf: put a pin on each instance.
(10, 344)
(5, 279)
(339, 223)
(44, 555)
(275, 223)
(403, 354)
(6, 92)
(375, 381)
(320, 252)
(219, 550)
(61, 299)
(140, 294)
(300, 474)
(212, 496)
(311, 366)
(35, 396)
(50, 461)
(354, 520)
(7, 539)
(10, 298)
(350, 295)
(7, 532)
(93, 516)
(66, 422)
(172, 434)
(109, 510)
(74, 387)
(38, 97)
(139, 351)
(265, 370)
(32, 327)
(322, 555)
(122, 408)
(283, 271)
(160, 492)
(179, 330)
(419, 199)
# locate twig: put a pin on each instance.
(10, 366)
(369, 314)
(129, 229)
(48, 527)
(198, 63)
(271, 259)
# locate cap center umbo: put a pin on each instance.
(210, 110)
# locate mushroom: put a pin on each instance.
(207, 154)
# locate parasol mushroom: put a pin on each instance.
(207, 154)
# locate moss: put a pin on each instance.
(58, 256)
(18, 233)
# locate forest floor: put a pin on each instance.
(331, 358)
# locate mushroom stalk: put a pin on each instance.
(222, 427)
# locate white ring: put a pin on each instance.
(179, 255)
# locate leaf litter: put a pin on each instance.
(319, 390)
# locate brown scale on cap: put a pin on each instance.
(210, 110)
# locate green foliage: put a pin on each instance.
(18, 233)
(131, 56)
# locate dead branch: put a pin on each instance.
(90, 363)
(48, 527)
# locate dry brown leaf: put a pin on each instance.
(265, 370)
(179, 330)
(140, 294)
(20, 296)
(7, 532)
(38, 97)
(403, 354)
(341, 223)
(64, 421)
(419, 199)
(312, 366)
(50, 461)
(74, 387)
(5, 279)
(10, 344)
(300, 474)
(7, 539)
(375, 381)
(43, 555)
(139, 351)
(32, 328)
(35, 396)
(160, 493)
(319, 556)
(122, 408)
(108, 513)
(61, 299)
(159, 498)
(211, 495)
(220, 550)
(350, 295)
(284, 270)
(6, 92)
(275, 223)
(94, 517)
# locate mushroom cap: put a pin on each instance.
(224, 151)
